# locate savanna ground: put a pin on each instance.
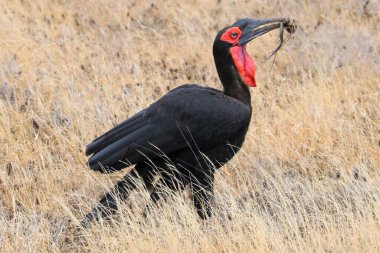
(306, 180)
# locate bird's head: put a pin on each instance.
(230, 45)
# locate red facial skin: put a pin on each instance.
(243, 62)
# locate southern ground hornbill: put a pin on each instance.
(188, 133)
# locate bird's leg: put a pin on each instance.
(203, 194)
(170, 182)
(121, 191)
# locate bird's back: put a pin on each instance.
(188, 115)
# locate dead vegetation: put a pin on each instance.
(306, 180)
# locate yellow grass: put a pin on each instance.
(306, 180)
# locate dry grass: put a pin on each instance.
(306, 180)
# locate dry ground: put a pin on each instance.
(306, 180)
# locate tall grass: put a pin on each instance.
(306, 180)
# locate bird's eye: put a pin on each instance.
(234, 35)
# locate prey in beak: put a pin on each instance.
(256, 27)
(233, 41)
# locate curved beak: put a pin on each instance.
(256, 27)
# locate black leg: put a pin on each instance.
(203, 194)
(121, 191)
(170, 182)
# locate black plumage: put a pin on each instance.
(187, 114)
(195, 129)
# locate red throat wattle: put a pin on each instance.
(244, 64)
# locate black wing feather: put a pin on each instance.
(205, 115)
(119, 149)
(123, 129)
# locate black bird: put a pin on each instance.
(190, 132)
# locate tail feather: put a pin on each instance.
(116, 133)
(125, 147)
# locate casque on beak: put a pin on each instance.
(255, 27)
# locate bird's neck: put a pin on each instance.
(232, 82)
(238, 90)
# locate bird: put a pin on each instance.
(185, 136)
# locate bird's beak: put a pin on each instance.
(256, 28)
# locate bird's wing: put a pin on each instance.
(186, 114)
(121, 130)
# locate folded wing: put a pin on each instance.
(201, 114)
